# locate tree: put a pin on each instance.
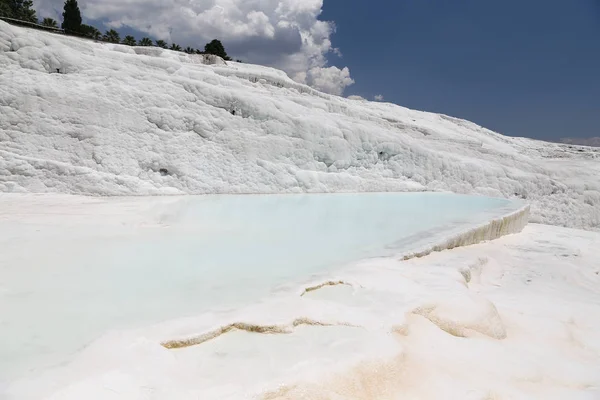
(5, 10)
(91, 32)
(50, 23)
(189, 50)
(216, 47)
(18, 9)
(71, 17)
(198, 51)
(145, 42)
(129, 40)
(112, 36)
(161, 43)
(175, 47)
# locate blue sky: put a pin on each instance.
(520, 67)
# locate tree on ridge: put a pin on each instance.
(71, 17)
(18, 9)
(112, 36)
(216, 47)
(50, 23)
(129, 40)
(145, 42)
(91, 32)
(5, 10)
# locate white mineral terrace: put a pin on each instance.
(180, 272)
(381, 296)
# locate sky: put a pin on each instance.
(522, 68)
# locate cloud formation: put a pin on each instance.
(285, 34)
(356, 97)
(378, 97)
(330, 80)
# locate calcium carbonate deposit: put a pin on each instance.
(104, 119)
(386, 296)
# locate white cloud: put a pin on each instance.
(285, 34)
(356, 97)
(378, 97)
(330, 80)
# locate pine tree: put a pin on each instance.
(71, 17)
(18, 9)
(5, 10)
(216, 47)
(129, 40)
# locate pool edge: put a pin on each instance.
(511, 223)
